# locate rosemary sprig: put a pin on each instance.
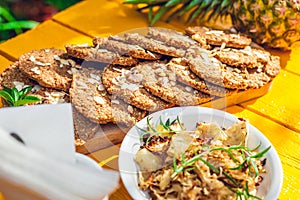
(250, 161)
(241, 192)
(150, 131)
(184, 164)
(18, 98)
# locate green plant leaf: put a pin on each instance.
(15, 94)
(32, 98)
(159, 14)
(200, 11)
(167, 124)
(17, 98)
(9, 18)
(60, 5)
(8, 90)
(209, 165)
(191, 5)
(27, 100)
(178, 12)
(25, 91)
(150, 14)
(6, 14)
(173, 122)
(150, 126)
(150, 5)
(262, 153)
(142, 1)
(253, 164)
(7, 97)
(26, 24)
(174, 2)
(231, 179)
(227, 151)
(238, 167)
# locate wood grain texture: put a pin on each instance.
(287, 145)
(285, 141)
(88, 17)
(293, 63)
(281, 104)
(275, 114)
(108, 135)
(4, 62)
(111, 134)
(46, 35)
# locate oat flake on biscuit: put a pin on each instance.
(119, 46)
(99, 55)
(161, 82)
(180, 67)
(127, 84)
(87, 99)
(49, 67)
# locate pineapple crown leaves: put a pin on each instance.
(18, 98)
(177, 8)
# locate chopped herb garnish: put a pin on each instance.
(244, 157)
(165, 128)
(249, 161)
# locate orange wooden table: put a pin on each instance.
(277, 114)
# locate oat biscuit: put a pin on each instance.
(206, 36)
(84, 129)
(127, 84)
(204, 65)
(49, 67)
(14, 77)
(50, 96)
(89, 96)
(257, 78)
(153, 45)
(118, 46)
(99, 55)
(181, 68)
(125, 114)
(161, 82)
(272, 68)
(239, 57)
(171, 37)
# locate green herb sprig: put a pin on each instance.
(151, 131)
(18, 98)
(241, 192)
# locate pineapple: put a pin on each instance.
(273, 23)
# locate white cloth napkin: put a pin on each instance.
(45, 128)
(26, 172)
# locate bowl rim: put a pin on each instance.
(273, 157)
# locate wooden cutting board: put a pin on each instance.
(111, 134)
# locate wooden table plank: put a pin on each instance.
(103, 18)
(293, 64)
(289, 59)
(93, 17)
(4, 62)
(281, 103)
(46, 35)
(286, 143)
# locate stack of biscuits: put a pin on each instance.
(120, 79)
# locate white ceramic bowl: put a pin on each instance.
(271, 185)
(87, 161)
